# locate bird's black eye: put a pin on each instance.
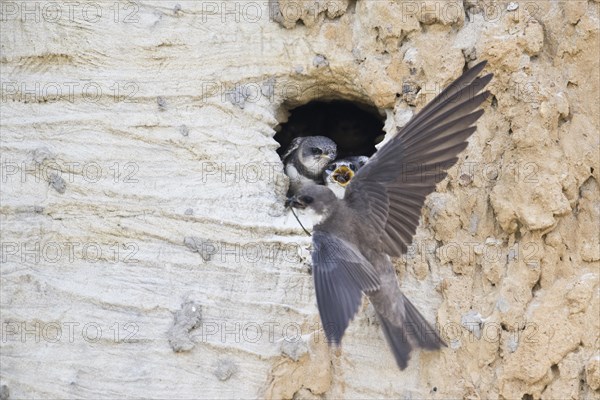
(331, 167)
(306, 199)
(316, 151)
(353, 167)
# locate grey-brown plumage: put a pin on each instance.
(379, 214)
(306, 158)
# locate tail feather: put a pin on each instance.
(398, 342)
(414, 331)
(419, 330)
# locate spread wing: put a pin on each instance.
(389, 191)
(292, 147)
(341, 274)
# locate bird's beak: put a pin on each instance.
(342, 175)
(294, 202)
(327, 156)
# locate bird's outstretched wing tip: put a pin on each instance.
(334, 341)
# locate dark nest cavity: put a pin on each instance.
(355, 128)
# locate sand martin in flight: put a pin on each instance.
(379, 214)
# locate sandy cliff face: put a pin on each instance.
(145, 249)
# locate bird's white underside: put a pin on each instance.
(310, 218)
(336, 188)
(295, 177)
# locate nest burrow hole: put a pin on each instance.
(355, 127)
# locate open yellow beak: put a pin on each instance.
(342, 175)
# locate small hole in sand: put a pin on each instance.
(355, 128)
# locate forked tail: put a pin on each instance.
(413, 331)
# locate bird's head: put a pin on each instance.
(340, 172)
(316, 152)
(317, 198)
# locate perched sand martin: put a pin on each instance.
(306, 158)
(338, 173)
(379, 215)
